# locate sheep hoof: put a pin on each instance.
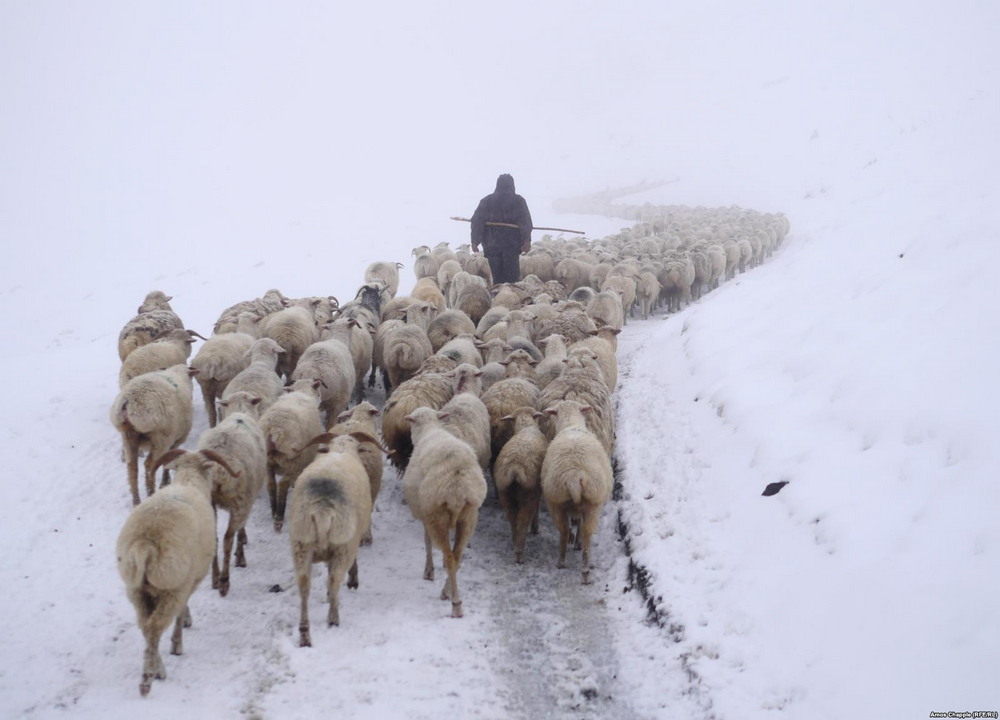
(519, 558)
(145, 685)
(456, 610)
(428, 574)
(304, 639)
(278, 525)
(223, 588)
(586, 577)
(561, 564)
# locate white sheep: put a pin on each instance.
(552, 365)
(647, 290)
(329, 362)
(218, 361)
(406, 346)
(288, 425)
(385, 272)
(294, 329)
(576, 478)
(240, 442)
(607, 308)
(260, 376)
(330, 511)
(447, 325)
(164, 550)
(507, 395)
(463, 349)
(444, 488)
(447, 270)
(604, 343)
(517, 475)
(465, 416)
(427, 290)
(425, 265)
(583, 381)
(153, 413)
(361, 419)
(171, 348)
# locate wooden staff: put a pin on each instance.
(518, 227)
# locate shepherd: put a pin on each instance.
(502, 243)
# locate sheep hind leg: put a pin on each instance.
(227, 552)
(241, 541)
(588, 524)
(560, 517)
(526, 515)
(302, 559)
(337, 567)
(429, 562)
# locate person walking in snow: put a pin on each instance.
(502, 245)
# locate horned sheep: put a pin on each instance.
(260, 376)
(155, 317)
(240, 442)
(218, 361)
(331, 509)
(171, 348)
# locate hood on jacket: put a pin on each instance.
(505, 184)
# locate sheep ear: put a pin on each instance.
(192, 371)
(537, 415)
(443, 415)
(255, 400)
(507, 417)
(586, 409)
(320, 439)
(551, 411)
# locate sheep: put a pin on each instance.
(478, 265)
(465, 416)
(493, 352)
(604, 343)
(171, 348)
(427, 290)
(366, 307)
(506, 395)
(218, 361)
(492, 316)
(626, 286)
(717, 265)
(583, 381)
(572, 273)
(460, 283)
(552, 365)
(538, 263)
(164, 551)
(426, 389)
(153, 412)
(462, 349)
(442, 253)
(448, 325)
(385, 272)
(647, 290)
(444, 488)
(425, 265)
(359, 337)
(607, 308)
(260, 376)
(406, 346)
(447, 270)
(155, 317)
(294, 329)
(583, 295)
(675, 279)
(572, 323)
(329, 362)
(240, 442)
(288, 425)
(331, 509)
(576, 478)
(732, 251)
(361, 419)
(520, 333)
(517, 475)
(228, 321)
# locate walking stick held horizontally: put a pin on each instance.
(513, 225)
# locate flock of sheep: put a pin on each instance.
(513, 382)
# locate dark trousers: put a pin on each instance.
(505, 264)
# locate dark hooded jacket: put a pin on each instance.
(502, 205)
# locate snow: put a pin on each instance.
(217, 151)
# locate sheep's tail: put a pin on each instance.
(133, 563)
(331, 520)
(574, 487)
(211, 368)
